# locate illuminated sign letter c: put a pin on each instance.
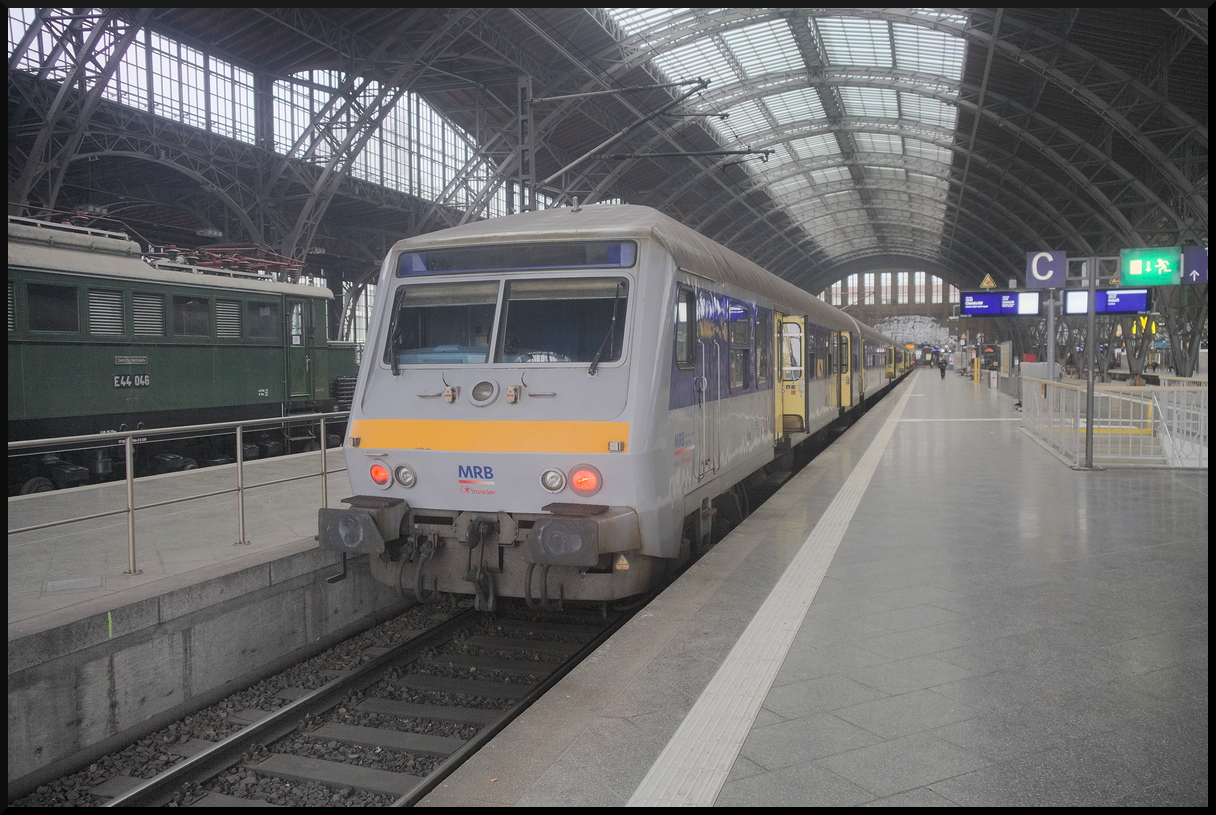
(1034, 266)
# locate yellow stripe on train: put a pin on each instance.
(491, 436)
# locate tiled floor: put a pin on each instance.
(994, 629)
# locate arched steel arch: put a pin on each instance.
(846, 77)
(693, 25)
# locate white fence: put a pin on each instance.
(1133, 426)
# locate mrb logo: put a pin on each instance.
(481, 474)
(474, 480)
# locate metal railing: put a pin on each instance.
(1135, 426)
(129, 439)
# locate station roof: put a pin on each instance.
(827, 142)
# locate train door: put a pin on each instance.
(844, 369)
(709, 382)
(300, 368)
(792, 402)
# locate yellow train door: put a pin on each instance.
(792, 380)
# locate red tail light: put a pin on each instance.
(586, 480)
(381, 475)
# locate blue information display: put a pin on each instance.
(1108, 301)
(1000, 304)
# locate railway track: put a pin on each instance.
(390, 729)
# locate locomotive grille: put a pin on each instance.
(343, 389)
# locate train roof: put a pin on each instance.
(62, 249)
(692, 251)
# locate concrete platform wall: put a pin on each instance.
(97, 683)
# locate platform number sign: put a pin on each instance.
(1046, 270)
(1161, 266)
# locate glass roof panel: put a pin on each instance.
(822, 145)
(814, 171)
(829, 175)
(888, 173)
(796, 106)
(929, 52)
(652, 20)
(929, 111)
(698, 59)
(878, 103)
(927, 150)
(746, 120)
(765, 48)
(852, 41)
(878, 143)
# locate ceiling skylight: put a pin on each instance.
(827, 170)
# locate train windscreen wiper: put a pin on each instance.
(595, 361)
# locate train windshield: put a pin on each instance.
(555, 320)
(568, 320)
(442, 323)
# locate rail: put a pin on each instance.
(1132, 426)
(129, 439)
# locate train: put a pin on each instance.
(104, 339)
(558, 405)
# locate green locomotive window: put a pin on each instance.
(262, 319)
(191, 317)
(53, 308)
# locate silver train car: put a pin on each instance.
(555, 405)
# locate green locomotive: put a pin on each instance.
(100, 340)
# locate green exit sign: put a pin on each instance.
(1150, 267)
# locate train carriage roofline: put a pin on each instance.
(692, 251)
(108, 256)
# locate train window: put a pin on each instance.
(739, 332)
(262, 319)
(764, 339)
(149, 313)
(191, 316)
(567, 320)
(812, 357)
(791, 352)
(296, 329)
(105, 312)
(228, 319)
(53, 308)
(686, 325)
(442, 323)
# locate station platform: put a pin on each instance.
(936, 611)
(63, 573)
(98, 657)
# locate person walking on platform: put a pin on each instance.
(941, 364)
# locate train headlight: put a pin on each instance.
(406, 476)
(380, 475)
(484, 393)
(553, 480)
(586, 480)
